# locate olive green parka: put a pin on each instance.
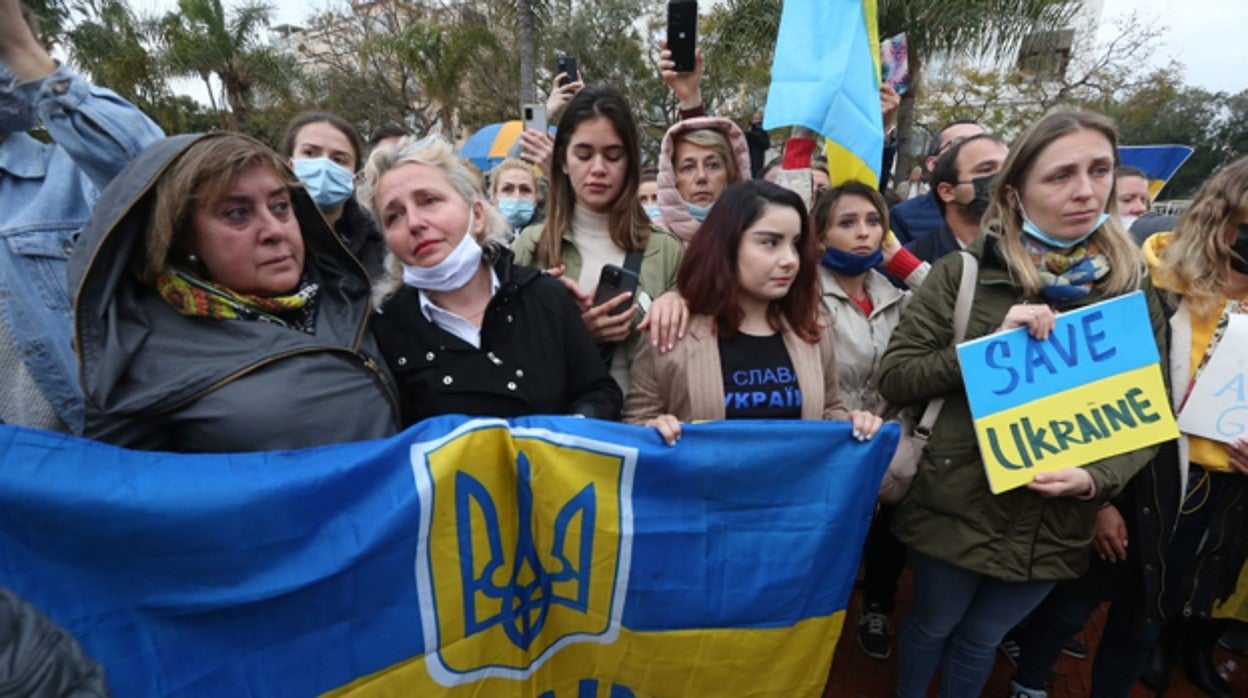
(949, 512)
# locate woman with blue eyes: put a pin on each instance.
(982, 562)
(216, 311)
(593, 219)
(700, 157)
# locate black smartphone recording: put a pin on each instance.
(682, 33)
(613, 281)
(567, 64)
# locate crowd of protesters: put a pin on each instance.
(206, 293)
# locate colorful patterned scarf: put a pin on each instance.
(198, 298)
(1067, 275)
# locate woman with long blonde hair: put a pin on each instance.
(981, 562)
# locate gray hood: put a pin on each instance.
(136, 354)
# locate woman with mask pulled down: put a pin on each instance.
(464, 328)
(519, 194)
(1171, 546)
(215, 310)
(700, 157)
(325, 151)
(982, 562)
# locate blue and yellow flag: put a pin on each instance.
(541, 557)
(1159, 162)
(826, 76)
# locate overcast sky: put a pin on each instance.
(1206, 36)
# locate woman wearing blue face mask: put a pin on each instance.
(982, 562)
(464, 328)
(700, 157)
(518, 192)
(325, 151)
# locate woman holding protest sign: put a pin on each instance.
(981, 562)
(756, 329)
(1201, 270)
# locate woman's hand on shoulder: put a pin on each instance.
(580, 297)
(1069, 482)
(1038, 318)
(865, 424)
(668, 426)
(667, 320)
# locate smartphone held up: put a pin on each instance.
(567, 66)
(682, 33)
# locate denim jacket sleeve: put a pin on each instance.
(46, 194)
(99, 130)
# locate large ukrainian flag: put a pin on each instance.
(826, 76)
(544, 557)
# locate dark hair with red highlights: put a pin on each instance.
(708, 274)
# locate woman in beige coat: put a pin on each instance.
(759, 346)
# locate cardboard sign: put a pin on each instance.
(1217, 407)
(1093, 389)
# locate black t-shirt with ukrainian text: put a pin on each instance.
(759, 382)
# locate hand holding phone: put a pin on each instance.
(567, 64)
(614, 281)
(534, 117)
(682, 33)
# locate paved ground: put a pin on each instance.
(854, 675)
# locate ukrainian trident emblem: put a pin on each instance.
(525, 542)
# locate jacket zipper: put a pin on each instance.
(371, 365)
(1220, 526)
(268, 360)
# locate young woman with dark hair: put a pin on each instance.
(757, 328)
(593, 219)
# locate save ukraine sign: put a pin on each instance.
(542, 557)
(1093, 389)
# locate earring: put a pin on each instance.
(192, 259)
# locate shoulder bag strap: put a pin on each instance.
(961, 315)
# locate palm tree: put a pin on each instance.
(202, 40)
(984, 27)
(112, 45)
(437, 55)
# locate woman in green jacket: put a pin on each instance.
(593, 219)
(981, 562)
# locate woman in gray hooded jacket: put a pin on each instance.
(215, 310)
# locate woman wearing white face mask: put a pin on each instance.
(324, 151)
(518, 192)
(465, 330)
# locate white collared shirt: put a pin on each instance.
(451, 322)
